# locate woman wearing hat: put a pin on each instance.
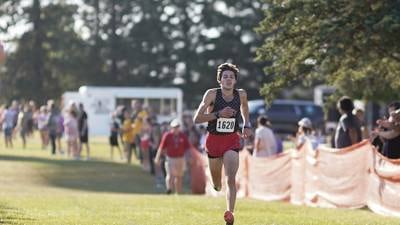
(305, 132)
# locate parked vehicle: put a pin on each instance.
(284, 114)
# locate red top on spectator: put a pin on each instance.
(174, 145)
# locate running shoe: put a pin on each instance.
(228, 217)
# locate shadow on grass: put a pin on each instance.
(98, 176)
(10, 215)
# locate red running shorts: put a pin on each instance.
(217, 145)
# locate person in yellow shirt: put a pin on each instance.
(127, 136)
(138, 117)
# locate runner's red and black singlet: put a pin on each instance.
(222, 132)
(223, 126)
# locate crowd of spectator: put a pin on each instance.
(138, 131)
(351, 129)
(52, 124)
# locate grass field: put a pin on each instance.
(36, 188)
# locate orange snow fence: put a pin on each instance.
(384, 185)
(351, 177)
(269, 177)
(197, 172)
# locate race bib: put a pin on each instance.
(225, 125)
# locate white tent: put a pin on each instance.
(99, 102)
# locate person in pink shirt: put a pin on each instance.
(42, 120)
(72, 132)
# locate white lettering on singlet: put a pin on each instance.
(225, 125)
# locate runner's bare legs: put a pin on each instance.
(215, 165)
(231, 165)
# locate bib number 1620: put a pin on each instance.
(226, 125)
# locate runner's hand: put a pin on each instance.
(227, 112)
(246, 133)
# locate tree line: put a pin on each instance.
(168, 43)
(278, 44)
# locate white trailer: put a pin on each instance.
(99, 102)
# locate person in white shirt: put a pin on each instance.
(264, 141)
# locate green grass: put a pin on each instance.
(36, 188)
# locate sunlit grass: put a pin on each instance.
(37, 188)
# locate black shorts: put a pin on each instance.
(84, 138)
(114, 141)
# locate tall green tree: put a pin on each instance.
(352, 45)
(47, 56)
(131, 43)
(235, 40)
(107, 27)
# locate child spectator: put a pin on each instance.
(304, 133)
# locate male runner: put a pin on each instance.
(222, 108)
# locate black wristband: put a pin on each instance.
(249, 127)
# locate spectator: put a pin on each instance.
(174, 144)
(72, 132)
(53, 125)
(264, 141)
(155, 138)
(42, 120)
(31, 120)
(396, 117)
(8, 125)
(304, 133)
(24, 118)
(389, 132)
(127, 136)
(138, 117)
(158, 171)
(114, 134)
(145, 144)
(359, 113)
(59, 132)
(348, 131)
(15, 111)
(83, 131)
(191, 131)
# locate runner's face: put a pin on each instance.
(228, 79)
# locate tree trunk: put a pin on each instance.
(37, 51)
(114, 69)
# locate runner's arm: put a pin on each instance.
(201, 115)
(244, 108)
